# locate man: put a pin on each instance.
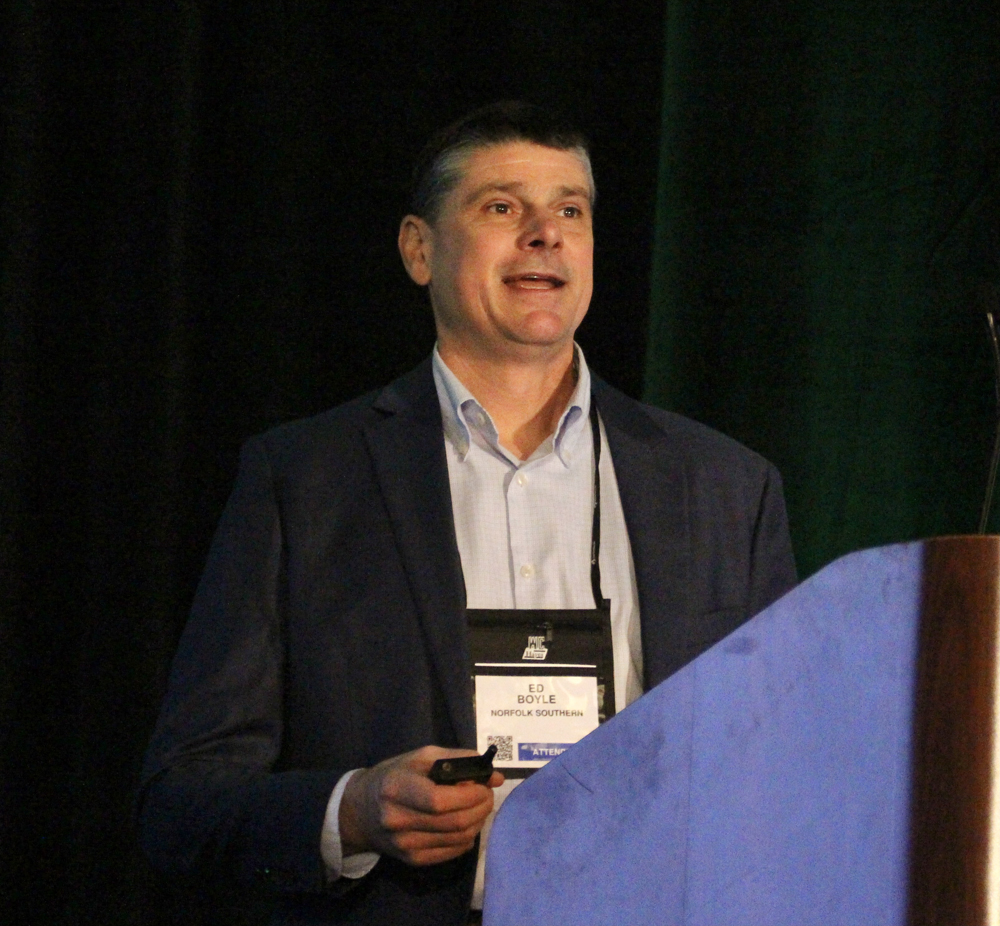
(326, 662)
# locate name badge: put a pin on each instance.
(542, 680)
(533, 718)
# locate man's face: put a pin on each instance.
(509, 260)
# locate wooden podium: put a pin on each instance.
(834, 761)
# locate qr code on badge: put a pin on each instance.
(505, 747)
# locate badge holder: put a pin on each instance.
(542, 681)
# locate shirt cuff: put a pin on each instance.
(337, 866)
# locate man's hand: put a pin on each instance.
(395, 809)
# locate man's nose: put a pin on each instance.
(540, 231)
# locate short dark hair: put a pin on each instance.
(438, 168)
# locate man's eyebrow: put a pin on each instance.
(574, 191)
(515, 186)
(512, 187)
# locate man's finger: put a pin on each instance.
(410, 789)
(396, 817)
(413, 840)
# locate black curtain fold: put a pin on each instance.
(198, 212)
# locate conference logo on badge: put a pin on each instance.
(536, 648)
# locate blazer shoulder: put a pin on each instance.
(306, 442)
(339, 431)
(692, 442)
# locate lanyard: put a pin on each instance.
(600, 602)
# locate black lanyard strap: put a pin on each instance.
(595, 533)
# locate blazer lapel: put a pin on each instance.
(406, 442)
(655, 500)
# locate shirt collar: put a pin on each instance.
(466, 421)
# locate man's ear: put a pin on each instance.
(416, 246)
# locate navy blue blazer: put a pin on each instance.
(328, 630)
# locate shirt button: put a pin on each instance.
(522, 480)
(527, 570)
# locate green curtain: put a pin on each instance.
(826, 241)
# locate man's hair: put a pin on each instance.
(439, 167)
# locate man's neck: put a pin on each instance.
(524, 399)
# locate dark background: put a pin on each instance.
(797, 233)
(828, 237)
(200, 207)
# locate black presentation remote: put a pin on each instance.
(464, 768)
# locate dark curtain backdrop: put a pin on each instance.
(827, 240)
(199, 210)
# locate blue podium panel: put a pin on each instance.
(765, 783)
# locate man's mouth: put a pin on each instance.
(534, 281)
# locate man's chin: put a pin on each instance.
(541, 341)
(542, 329)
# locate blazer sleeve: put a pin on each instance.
(210, 794)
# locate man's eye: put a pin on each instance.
(571, 212)
(500, 208)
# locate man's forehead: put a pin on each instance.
(516, 166)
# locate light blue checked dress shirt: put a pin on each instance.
(524, 529)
